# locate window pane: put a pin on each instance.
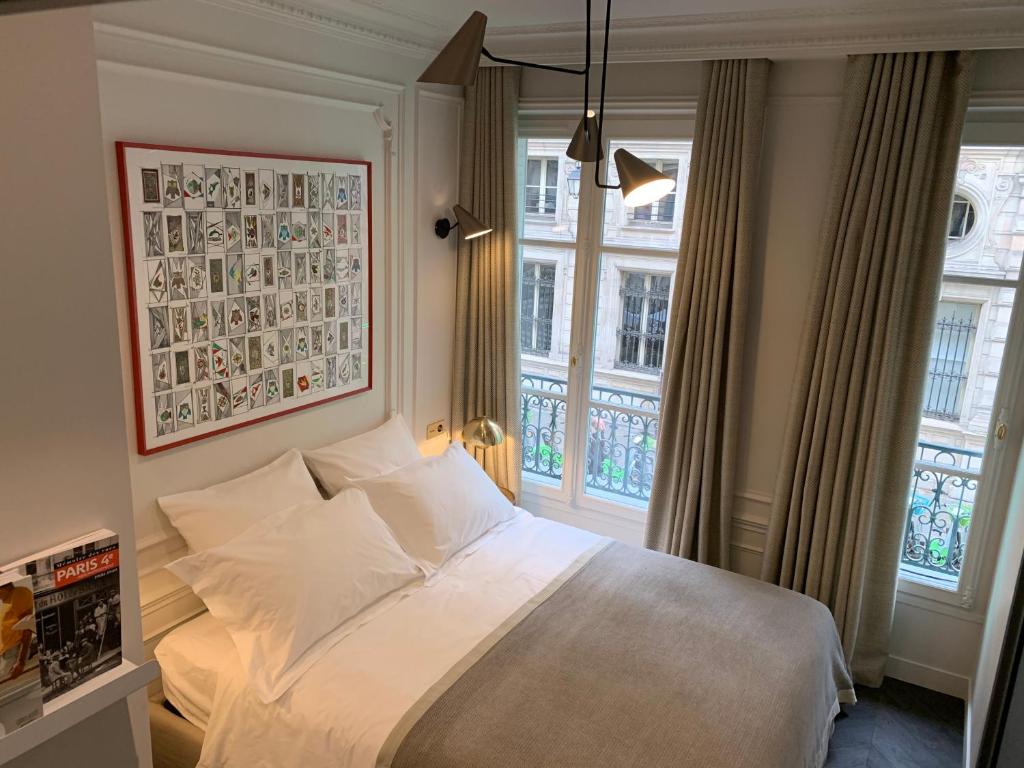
(548, 267)
(549, 211)
(967, 341)
(545, 359)
(533, 172)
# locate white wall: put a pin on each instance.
(934, 643)
(63, 455)
(188, 72)
(196, 74)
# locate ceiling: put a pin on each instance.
(646, 30)
(522, 13)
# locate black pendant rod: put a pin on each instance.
(549, 67)
(586, 80)
(600, 114)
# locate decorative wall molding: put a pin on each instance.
(926, 676)
(117, 44)
(758, 497)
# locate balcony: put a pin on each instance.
(621, 439)
(940, 510)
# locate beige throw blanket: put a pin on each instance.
(636, 658)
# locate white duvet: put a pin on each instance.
(342, 709)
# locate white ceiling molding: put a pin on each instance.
(798, 33)
(382, 30)
(897, 25)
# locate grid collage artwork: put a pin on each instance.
(251, 287)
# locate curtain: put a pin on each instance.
(690, 512)
(840, 503)
(485, 376)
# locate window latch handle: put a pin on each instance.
(1001, 427)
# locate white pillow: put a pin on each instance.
(379, 451)
(219, 513)
(285, 588)
(438, 505)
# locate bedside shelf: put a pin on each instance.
(76, 705)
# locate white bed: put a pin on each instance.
(349, 702)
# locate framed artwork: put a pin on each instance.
(249, 286)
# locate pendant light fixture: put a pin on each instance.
(457, 64)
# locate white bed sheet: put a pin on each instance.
(191, 657)
(342, 709)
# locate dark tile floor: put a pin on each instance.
(898, 726)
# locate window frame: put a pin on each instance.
(983, 128)
(674, 123)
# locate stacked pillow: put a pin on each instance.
(377, 452)
(284, 588)
(266, 545)
(438, 505)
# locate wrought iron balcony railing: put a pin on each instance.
(621, 438)
(940, 510)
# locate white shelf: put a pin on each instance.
(77, 704)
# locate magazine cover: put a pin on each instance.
(21, 699)
(78, 612)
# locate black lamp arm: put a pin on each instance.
(549, 67)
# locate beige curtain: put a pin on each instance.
(691, 499)
(485, 377)
(840, 503)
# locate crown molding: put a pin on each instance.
(381, 29)
(792, 33)
(896, 25)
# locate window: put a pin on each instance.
(961, 218)
(644, 321)
(591, 388)
(538, 303)
(541, 190)
(660, 211)
(952, 343)
(962, 389)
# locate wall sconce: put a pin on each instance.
(471, 226)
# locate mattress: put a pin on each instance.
(191, 657)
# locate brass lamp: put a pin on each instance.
(482, 432)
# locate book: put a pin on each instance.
(21, 694)
(77, 599)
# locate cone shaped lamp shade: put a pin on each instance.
(470, 225)
(641, 184)
(458, 61)
(584, 146)
(482, 432)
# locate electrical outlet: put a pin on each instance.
(436, 429)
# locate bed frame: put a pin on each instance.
(176, 742)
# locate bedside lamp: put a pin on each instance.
(483, 432)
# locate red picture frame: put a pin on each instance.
(145, 445)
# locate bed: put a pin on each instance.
(542, 645)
